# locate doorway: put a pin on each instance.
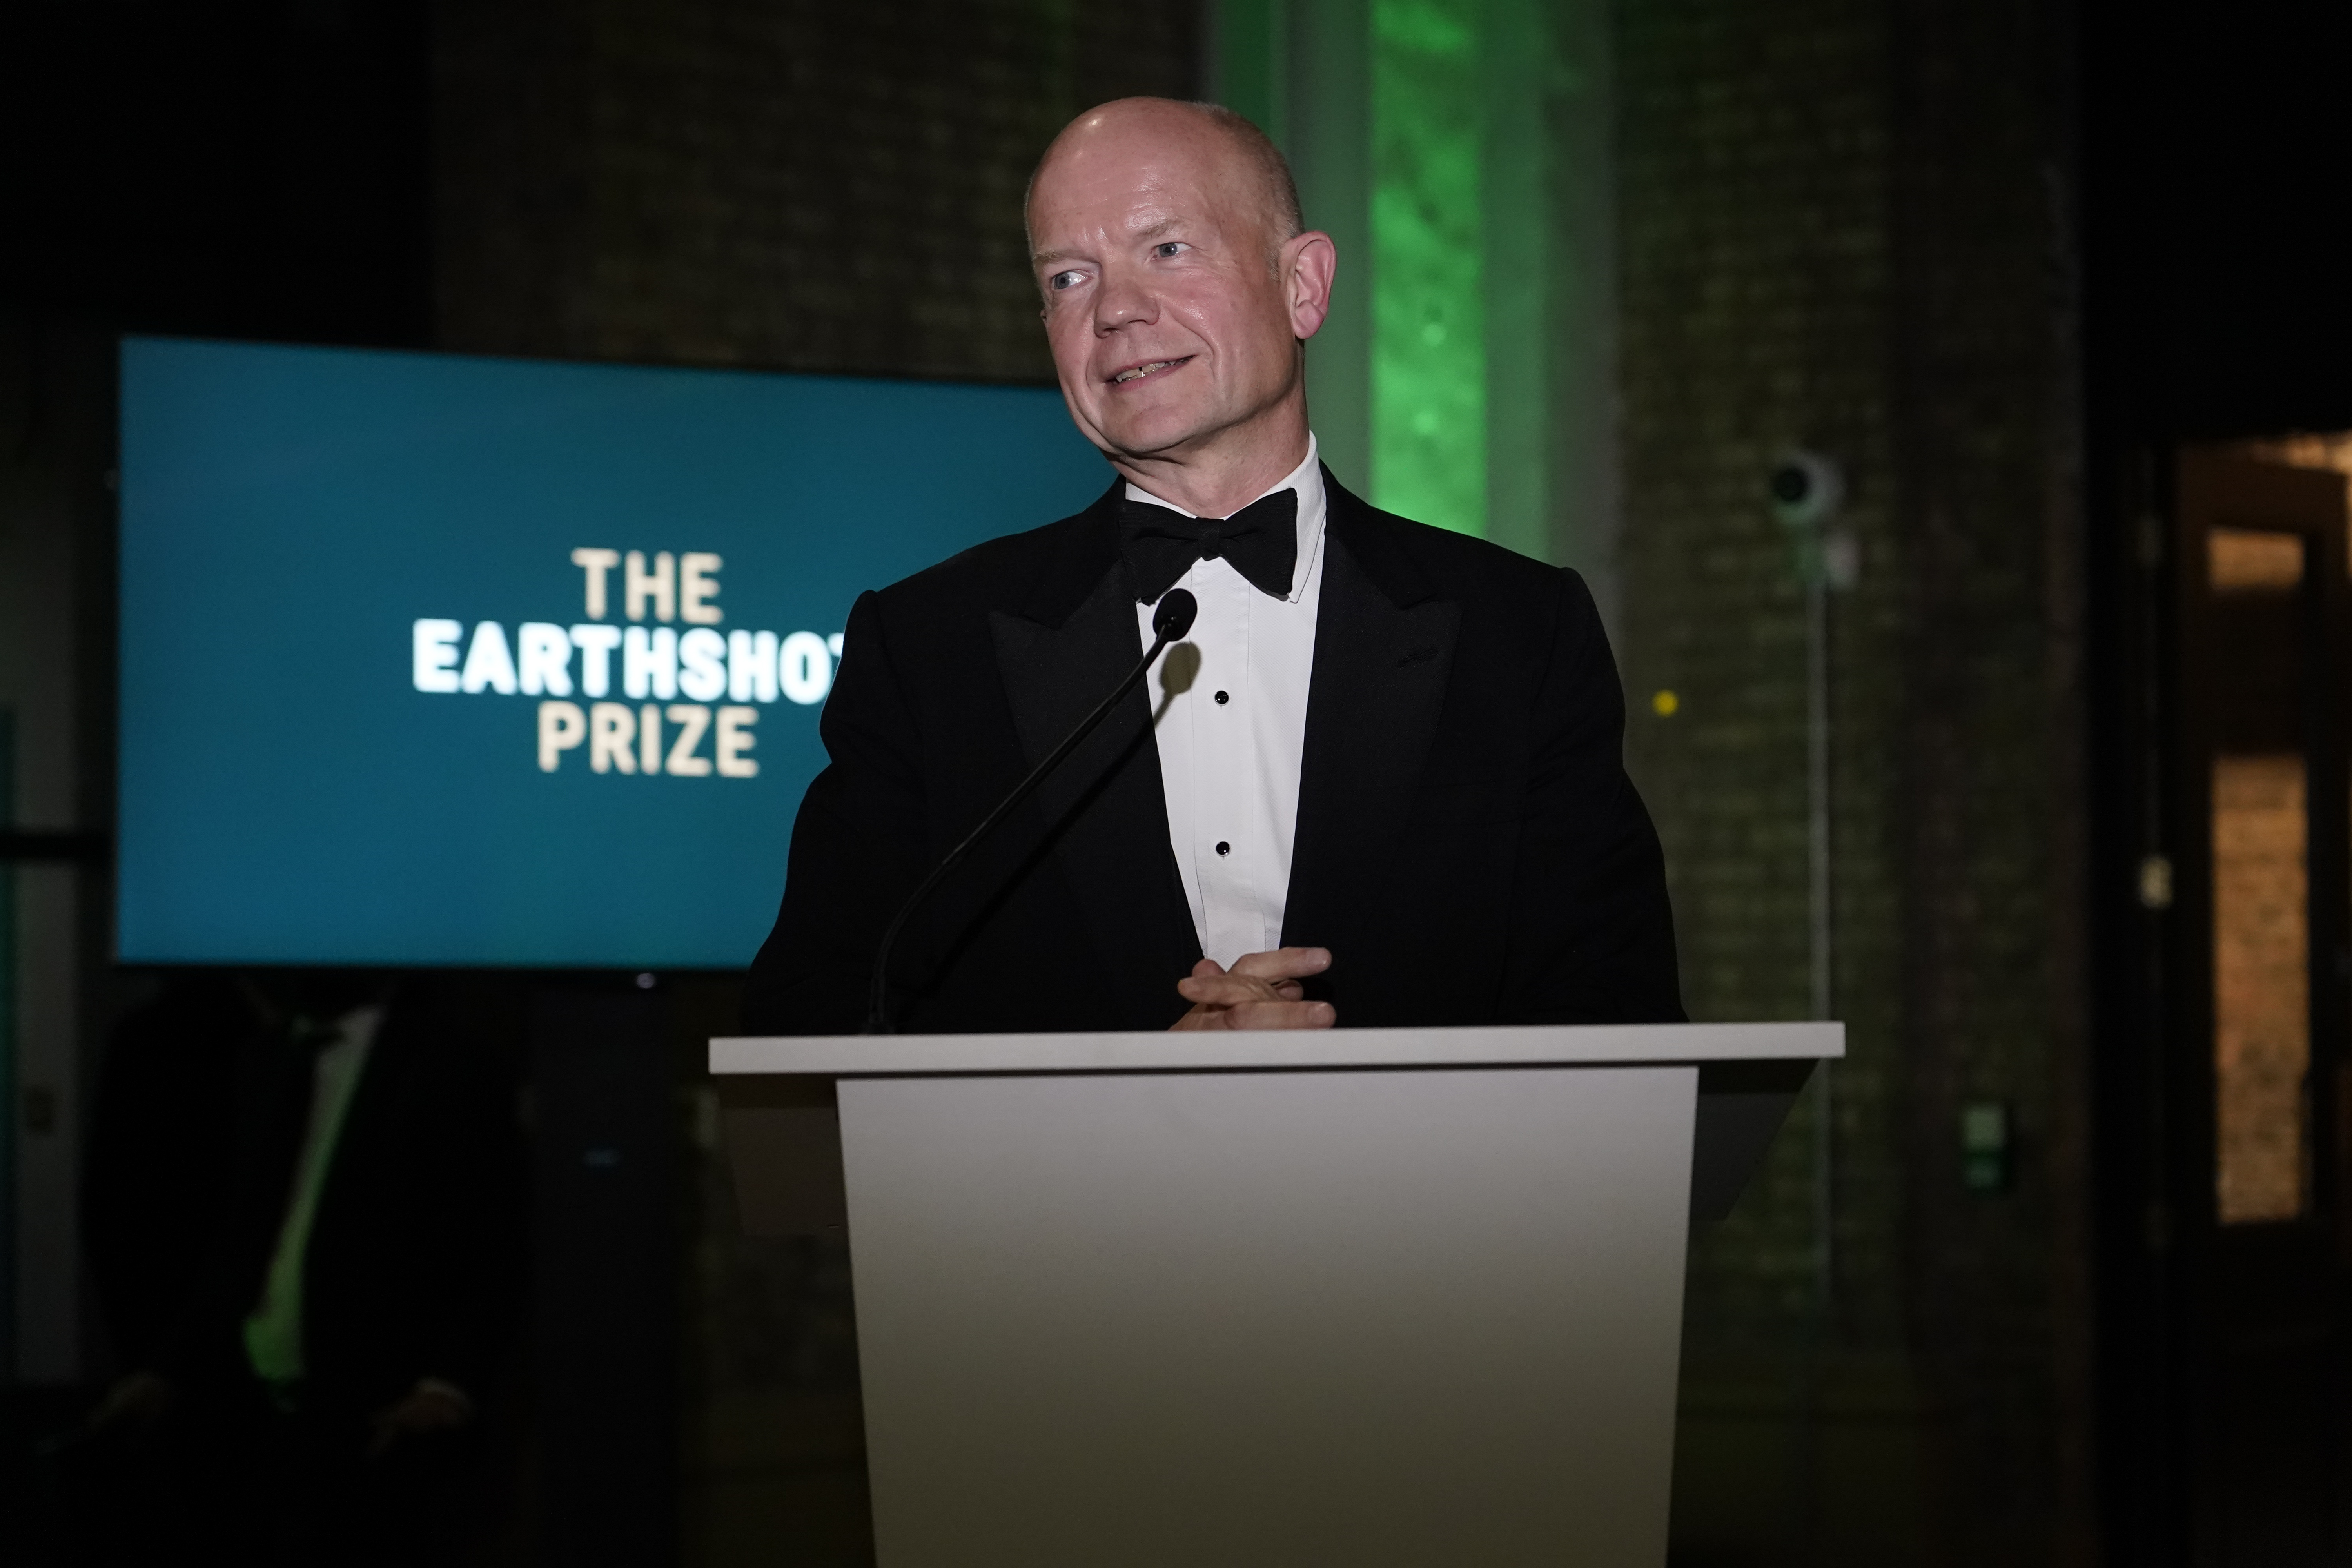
(2233, 1422)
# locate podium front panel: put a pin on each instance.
(1355, 1318)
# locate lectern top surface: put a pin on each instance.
(865, 1056)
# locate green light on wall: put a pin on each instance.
(1460, 152)
(1429, 336)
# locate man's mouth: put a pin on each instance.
(1149, 368)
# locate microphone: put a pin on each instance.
(1171, 619)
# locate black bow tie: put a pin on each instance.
(1261, 541)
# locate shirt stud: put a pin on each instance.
(1224, 848)
(1223, 698)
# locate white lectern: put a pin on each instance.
(1362, 1297)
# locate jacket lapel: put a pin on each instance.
(1103, 810)
(1383, 653)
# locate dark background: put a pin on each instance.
(1999, 256)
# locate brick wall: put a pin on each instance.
(1843, 229)
(793, 185)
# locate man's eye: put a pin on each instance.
(1062, 280)
(1168, 247)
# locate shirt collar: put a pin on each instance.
(1307, 481)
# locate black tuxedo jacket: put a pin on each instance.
(1468, 845)
(414, 1262)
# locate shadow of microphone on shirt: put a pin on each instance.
(1170, 620)
(1177, 673)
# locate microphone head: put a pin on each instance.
(1173, 617)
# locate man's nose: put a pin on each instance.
(1124, 300)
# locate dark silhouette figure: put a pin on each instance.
(305, 1217)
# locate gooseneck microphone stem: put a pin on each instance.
(1170, 622)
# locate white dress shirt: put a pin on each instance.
(1232, 737)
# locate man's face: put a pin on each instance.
(1167, 297)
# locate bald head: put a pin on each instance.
(1243, 156)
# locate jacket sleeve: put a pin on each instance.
(1591, 935)
(858, 847)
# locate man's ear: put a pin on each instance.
(1309, 263)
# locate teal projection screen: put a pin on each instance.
(440, 660)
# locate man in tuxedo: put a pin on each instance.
(1379, 783)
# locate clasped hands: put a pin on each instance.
(1260, 991)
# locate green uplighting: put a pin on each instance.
(1429, 337)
